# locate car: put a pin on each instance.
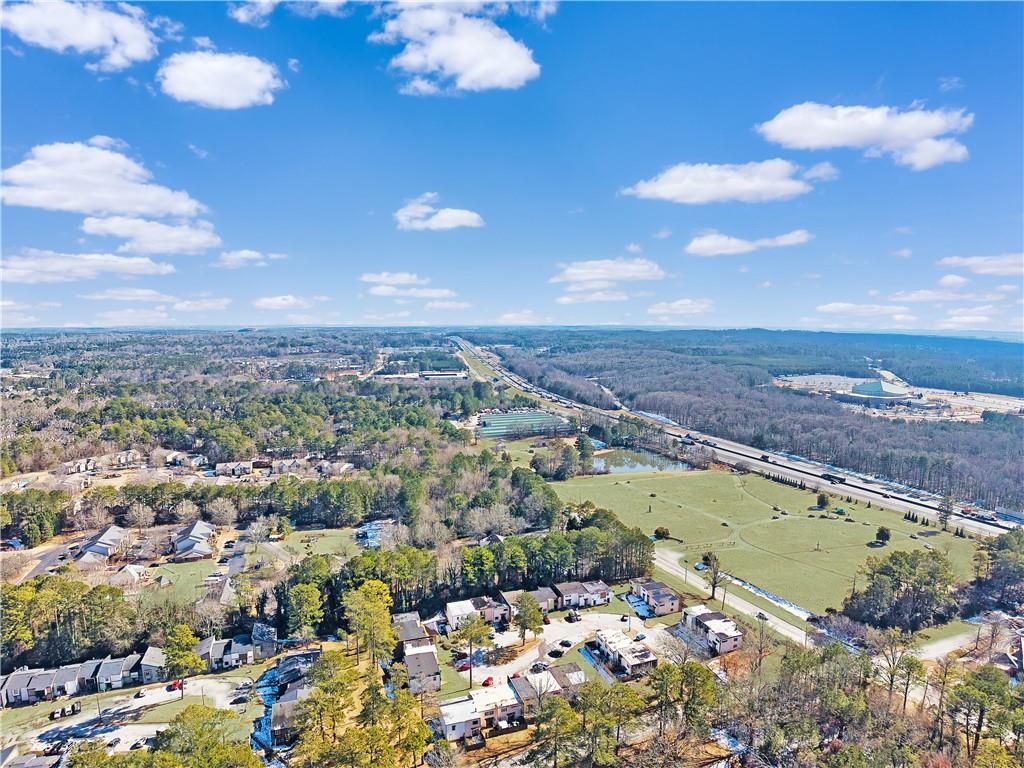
(556, 653)
(547, 619)
(565, 643)
(624, 617)
(460, 654)
(641, 636)
(141, 693)
(240, 700)
(539, 666)
(139, 744)
(463, 666)
(154, 565)
(63, 556)
(229, 544)
(515, 675)
(492, 635)
(489, 681)
(114, 742)
(224, 561)
(57, 748)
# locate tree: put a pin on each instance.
(823, 501)
(883, 534)
(528, 616)
(307, 608)
(139, 516)
(180, 653)
(945, 511)
(910, 670)
(893, 645)
(222, 512)
(202, 737)
(715, 576)
(474, 633)
(624, 705)
(185, 511)
(664, 681)
(558, 729)
(369, 619)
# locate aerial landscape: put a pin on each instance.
(499, 385)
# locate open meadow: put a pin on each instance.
(801, 556)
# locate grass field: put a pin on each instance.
(186, 580)
(806, 559)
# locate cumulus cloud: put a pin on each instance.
(128, 294)
(953, 281)
(682, 307)
(592, 296)
(202, 305)
(286, 301)
(862, 310)
(39, 266)
(903, 253)
(219, 80)
(1005, 265)
(969, 317)
(523, 317)
(950, 83)
(255, 13)
(699, 183)
(602, 272)
(394, 278)
(144, 236)
(83, 178)
(120, 35)
(716, 244)
(915, 137)
(634, 248)
(246, 258)
(446, 305)
(821, 172)
(926, 295)
(414, 293)
(420, 214)
(454, 48)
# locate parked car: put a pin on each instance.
(556, 653)
(462, 666)
(141, 693)
(114, 742)
(624, 617)
(229, 544)
(57, 748)
(547, 619)
(566, 643)
(515, 675)
(492, 635)
(140, 744)
(641, 636)
(240, 700)
(460, 654)
(539, 666)
(489, 681)
(224, 561)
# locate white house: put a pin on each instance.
(483, 708)
(659, 597)
(110, 542)
(575, 594)
(622, 651)
(720, 632)
(487, 608)
(423, 670)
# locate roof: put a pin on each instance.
(241, 644)
(35, 761)
(264, 633)
(569, 675)
(20, 678)
(422, 662)
(110, 668)
(411, 630)
(110, 538)
(459, 710)
(204, 646)
(460, 607)
(66, 674)
(570, 588)
(154, 657)
(879, 388)
(724, 628)
(596, 586)
(196, 530)
(543, 594)
(43, 679)
(89, 669)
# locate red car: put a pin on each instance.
(489, 681)
(462, 666)
(547, 619)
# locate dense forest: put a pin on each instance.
(721, 383)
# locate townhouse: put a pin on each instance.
(719, 632)
(193, 542)
(416, 648)
(233, 468)
(487, 608)
(659, 597)
(226, 654)
(576, 594)
(533, 688)
(468, 716)
(624, 654)
(545, 597)
(113, 541)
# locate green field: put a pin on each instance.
(186, 580)
(326, 541)
(806, 559)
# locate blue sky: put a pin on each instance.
(799, 166)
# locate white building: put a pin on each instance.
(720, 632)
(458, 612)
(483, 708)
(622, 651)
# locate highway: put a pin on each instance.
(730, 452)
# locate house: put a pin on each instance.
(226, 654)
(467, 716)
(194, 461)
(624, 653)
(575, 594)
(410, 632)
(124, 458)
(424, 673)
(545, 597)
(87, 672)
(193, 541)
(264, 640)
(78, 465)
(284, 715)
(65, 680)
(720, 632)
(153, 665)
(287, 466)
(117, 673)
(490, 538)
(15, 687)
(234, 468)
(129, 577)
(40, 686)
(486, 608)
(35, 761)
(660, 598)
(532, 688)
(112, 541)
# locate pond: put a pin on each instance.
(619, 460)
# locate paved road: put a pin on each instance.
(668, 561)
(50, 556)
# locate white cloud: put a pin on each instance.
(38, 266)
(716, 244)
(952, 281)
(950, 83)
(969, 317)
(927, 294)
(286, 301)
(119, 34)
(144, 236)
(662, 234)
(699, 183)
(88, 179)
(420, 214)
(252, 12)
(682, 307)
(1005, 265)
(128, 294)
(453, 47)
(134, 316)
(903, 253)
(634, 248)
(592, 296)
(245, 258)
(914, 137)
(443, 305)
(219, 80)
(862, 310)
(199, 152)
(294, 65)
(766, 284)
(202, 305)
(203, 42)
(523, 317)
(394, 278)
(415, 293)
(601, 273)
(821, 172)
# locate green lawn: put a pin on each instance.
(326, 541)
(452, 682)
(800, 556)
(186, 580)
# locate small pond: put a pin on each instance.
(619, 460)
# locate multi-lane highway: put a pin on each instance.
(814, 475)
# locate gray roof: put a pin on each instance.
(20, 678)
(264, 633)
(109, 538)
(524, 689)
(42, 680)
(66, 674)
(570, 588)
(410, 630)
(205, 645)
(543, 594)
(89, 669)
(154, 657)
(35, 761)
(111, 668)
(422, 665)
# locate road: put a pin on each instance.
(731, 452)
(49, 556)
(668, 562)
